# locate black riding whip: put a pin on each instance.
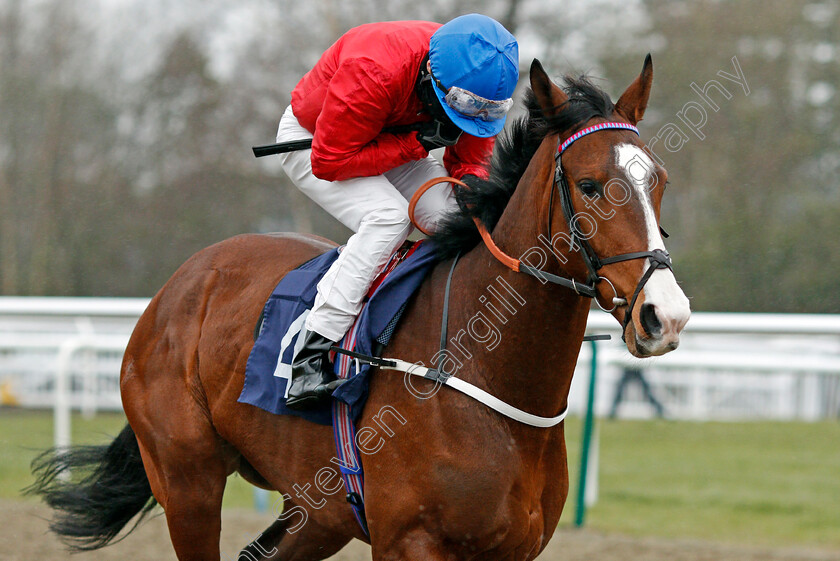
(294, 145)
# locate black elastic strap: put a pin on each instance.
(444, 320)
(374, 360)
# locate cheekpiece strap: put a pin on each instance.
(594, 128)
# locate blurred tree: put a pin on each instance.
(52, 165)
(126, 132)
(745, 199)
(11, 124)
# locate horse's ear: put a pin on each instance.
(634, 100)
(548, 94)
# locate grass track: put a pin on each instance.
(758, 483)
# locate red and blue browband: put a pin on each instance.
(594, 128)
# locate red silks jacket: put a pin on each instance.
(363, 83)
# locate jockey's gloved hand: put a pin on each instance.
(434, 134)
(472, 182)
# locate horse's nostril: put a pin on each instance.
(650, 323)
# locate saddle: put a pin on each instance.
(281, 324)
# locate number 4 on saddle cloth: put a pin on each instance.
(280, 333)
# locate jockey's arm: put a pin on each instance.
(347, 140)
(470, 156)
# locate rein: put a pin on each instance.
(505, 259)
(659, 259)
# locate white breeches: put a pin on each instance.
(376, 209)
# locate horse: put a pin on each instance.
(445, 476)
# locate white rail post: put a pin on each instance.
(90, 389)
(62, 399)
(62, 406)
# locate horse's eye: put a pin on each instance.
(588, 187)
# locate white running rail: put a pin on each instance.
(64, 353)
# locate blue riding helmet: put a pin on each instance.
(475, 67)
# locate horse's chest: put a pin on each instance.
(499, 501)
(515, 532)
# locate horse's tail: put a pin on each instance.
(94, 490)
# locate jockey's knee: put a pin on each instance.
(391, 219)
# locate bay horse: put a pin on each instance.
(445, 476)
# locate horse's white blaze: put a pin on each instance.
(661, 289)
(639, 169)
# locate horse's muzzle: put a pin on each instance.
(657, 323)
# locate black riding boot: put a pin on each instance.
(313, 380)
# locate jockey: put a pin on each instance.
(440, 86)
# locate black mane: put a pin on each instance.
(487, 199)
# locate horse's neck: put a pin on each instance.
(537, 328)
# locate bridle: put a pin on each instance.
(659, 259)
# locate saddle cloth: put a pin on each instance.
(281, 331)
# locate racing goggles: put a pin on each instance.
(472, 105)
